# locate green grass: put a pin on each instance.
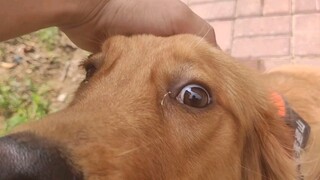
(21, 102)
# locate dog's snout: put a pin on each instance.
(24, 156)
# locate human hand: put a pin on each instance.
(96, 20)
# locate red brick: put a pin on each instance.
(261, 46)
(188, 2)
(223, 30)
(215, 10)
(304, 5)
(306, 34)
(314, 61)
(248, 8)
(262, 26)
(269, 64)
(277, 7)
(275, 62)
(255, 64)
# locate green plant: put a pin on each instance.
(49, 37)
(21, 102)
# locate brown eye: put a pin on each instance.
(194, 95)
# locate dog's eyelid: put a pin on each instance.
(198, 82)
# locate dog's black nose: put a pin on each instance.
(25, 156)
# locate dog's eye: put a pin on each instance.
(92, 64)
(90, 70)
(194, 95)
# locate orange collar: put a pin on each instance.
(280, 103)
(300, 126)
(292, 119)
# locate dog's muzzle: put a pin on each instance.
(24, 156)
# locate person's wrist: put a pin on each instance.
(63, 12)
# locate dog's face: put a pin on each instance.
(156, 108)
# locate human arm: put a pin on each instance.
(22, 17)
(89, 22)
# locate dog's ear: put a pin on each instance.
(268, 153)
(268, 142)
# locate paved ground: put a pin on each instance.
(268, 33)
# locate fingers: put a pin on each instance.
(168, 18)
(200, 28)
(203, 29)
(188, 22)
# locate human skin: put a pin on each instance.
(89, 22)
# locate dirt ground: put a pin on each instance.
(47, 59)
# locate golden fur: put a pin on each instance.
(123, 123)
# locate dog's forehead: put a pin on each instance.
(149, 50)
(184, 56)
(153, 43)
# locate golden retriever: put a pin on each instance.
(171, 108)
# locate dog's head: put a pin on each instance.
(156, 108)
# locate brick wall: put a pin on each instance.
(267, 33)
